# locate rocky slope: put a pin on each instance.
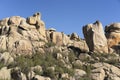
(29, 51)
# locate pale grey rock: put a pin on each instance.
(79, 73)
(65, 75)
(98, 74)
(59, 56)
(5, 73)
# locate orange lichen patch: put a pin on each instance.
(113, 40)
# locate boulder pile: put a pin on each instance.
(30, 51)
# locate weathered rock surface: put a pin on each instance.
(112, 32)
(81, 45)
(6, 58)
(30, 52)
(5, 74)
(95, 38)
(79, 73)
(105, 71)
(14, 20)
(98, 74)
(74, 36)
(22, 36)
(58, 38)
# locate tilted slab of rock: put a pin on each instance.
(95, 38)
(112, 32)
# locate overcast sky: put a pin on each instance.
(64, 15)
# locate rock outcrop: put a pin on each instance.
(112, 32)
(95, 38)
(27, 36)
(29, 51)
(19, 35)
(102, 69)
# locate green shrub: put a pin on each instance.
(50, 44)
(49, 72)
(37, 72)
(69, 71)
(72, 56)
(59, 70)
(85, 78)
(1, 65)
(44, 60)
(2, 50)
(87, 69)
(77, 66)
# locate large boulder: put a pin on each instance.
(79, 73)
(34, 19)
(59, 38)
(81, 45)
(5, 74)
(95, 38)
(98, 74)
(112, 32)
(23, 46)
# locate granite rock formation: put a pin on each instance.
(95, 38)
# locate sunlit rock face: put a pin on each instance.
(17, 34)
(95, 38)
(112, 32)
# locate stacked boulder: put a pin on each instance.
(22, 36)
(58, 38)
(27, 36)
